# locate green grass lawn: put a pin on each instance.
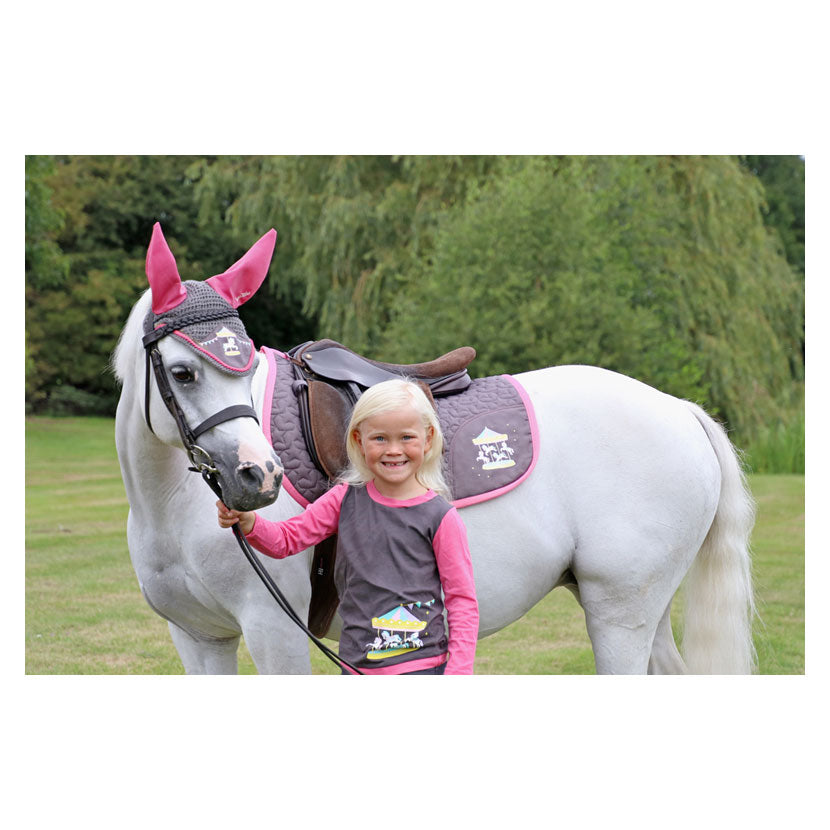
(85, 613)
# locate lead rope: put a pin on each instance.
(272, 586)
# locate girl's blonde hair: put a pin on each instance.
(387, 397)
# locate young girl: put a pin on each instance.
(400, 542)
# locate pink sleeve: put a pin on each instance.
(455, 568)
(317, 522)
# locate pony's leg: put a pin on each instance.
(277, 645)
(621, 633)
(665, 658)
(214, 656)
(618, 649)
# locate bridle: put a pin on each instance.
(203, 462)
(200, 458)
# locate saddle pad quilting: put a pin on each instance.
(490, 439)
(281, 412)
(490, 436)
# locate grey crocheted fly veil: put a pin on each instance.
(217, 332)
(203, 314)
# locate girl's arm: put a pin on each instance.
(455, 568)
(317, 522)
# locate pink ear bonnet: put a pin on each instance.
(203, 314)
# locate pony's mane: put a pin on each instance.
(124, 354)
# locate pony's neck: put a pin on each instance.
(152, 470)
(258, 384)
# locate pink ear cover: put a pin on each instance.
(240, 282)
(162, 274)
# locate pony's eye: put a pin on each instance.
(182, 374)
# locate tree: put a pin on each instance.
(350, 227)
(670, 269)
(108, 205)
(783, 180)
(658, 267)
(93, 215)
(46, 265)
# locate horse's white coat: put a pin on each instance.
(622, 499)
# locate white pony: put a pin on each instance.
(633, 490)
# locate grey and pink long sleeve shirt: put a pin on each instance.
(400, 567)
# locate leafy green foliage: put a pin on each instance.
(46, 266)
(97, 212)
(350, 227)
(778, 448)
(783, 180)
(73, 333)
(660, 268)
(671, 269)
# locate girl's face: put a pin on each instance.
(394, 445)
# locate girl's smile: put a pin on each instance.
(394, 445)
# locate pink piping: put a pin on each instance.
(214, 357)
(267, 402)
(265, 420)
(534, 432)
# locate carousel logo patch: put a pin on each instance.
(398, 632)
(231, 349)
(493, 450)
(226, 339)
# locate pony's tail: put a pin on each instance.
(719, 601)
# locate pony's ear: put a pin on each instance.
(240, 282)
(162, 274)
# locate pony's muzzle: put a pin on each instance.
(252, 484)
(251, 477)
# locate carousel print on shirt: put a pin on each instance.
(397, 632)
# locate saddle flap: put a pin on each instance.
(342, 365)
(324, 598)
(329, 413)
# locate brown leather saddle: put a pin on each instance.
(328, 380)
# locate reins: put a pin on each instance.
(204, 464)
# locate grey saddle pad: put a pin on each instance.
(490, 437)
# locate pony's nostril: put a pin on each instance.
(250, 475)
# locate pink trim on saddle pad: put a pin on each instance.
(267, 404)
(534, 432)
(267, 400)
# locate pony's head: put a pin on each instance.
(208, 362)
(203, 314)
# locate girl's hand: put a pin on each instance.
(228, 518)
